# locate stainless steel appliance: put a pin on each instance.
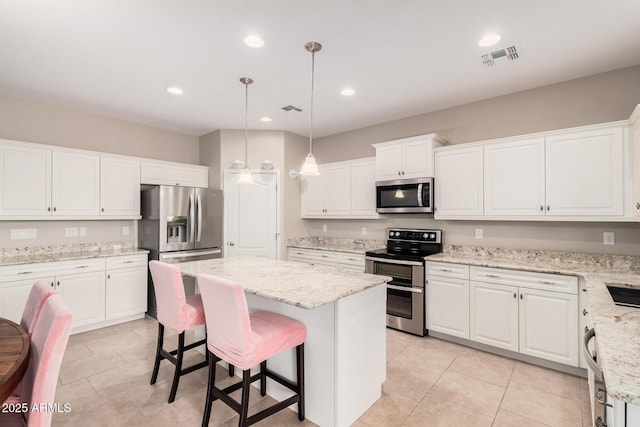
(403, 260)
(405, 196)
(597, 389)
(180, 224)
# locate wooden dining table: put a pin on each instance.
(14, 356)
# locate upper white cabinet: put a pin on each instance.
(459, 182)
(342, 190)
(119, 186)
(75, 184)
(514, 178)
(407, 157)
(171, 173)
(635, 123)
(584, 172)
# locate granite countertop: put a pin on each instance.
(617, 327)
(289, 282)
(356, 246)
(31, 255)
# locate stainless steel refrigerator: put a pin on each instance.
(179, 224)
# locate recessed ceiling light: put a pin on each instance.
(265, 119)
(253, 41)
(489, 40)
(347, 91)
(174, 90)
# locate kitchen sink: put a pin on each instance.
(624, 294)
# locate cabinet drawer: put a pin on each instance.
(313, 254)
(445, 269)
(526, 279)
(48, 269)
(127, 261)
(351, 259)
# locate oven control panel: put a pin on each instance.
(411, 235)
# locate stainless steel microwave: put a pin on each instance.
(405, 196)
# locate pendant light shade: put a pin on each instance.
(310, 167)
(245, 173)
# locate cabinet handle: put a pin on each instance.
(584, 312)
(324, 256)
(58, 284)
(49, 209)
(637, 205)
(127, 262)
(548, 208)
(399, 173)
(446, 270)
(54, 209)
(82, 266)
(547, 282)
(584, 289)
(493, 276)
(108, 276)
(351, 259)
(52, 285)
(299, 253)
(102, 209)
(586, 329)
(520, 296)
(25, 272)
(402, 172)
(541, 207)
(515, 295)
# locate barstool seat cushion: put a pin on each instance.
(194, 312)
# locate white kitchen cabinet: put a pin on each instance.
(459, 182)
(171, 173)
(340, 260)
(406, 158)
(25, 180)
(75, 184)
(514, 178)
(622, 414)
(327, 194)
(635, 134)
(312, 197)
(447, 299)
(126, 286)
(494, 315)
(13, 298)
(119, 186)
(84, 295)
(584, 173)
(363, 188)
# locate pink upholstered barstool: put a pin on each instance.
(247, 340)
(177, 312)
(40, 291)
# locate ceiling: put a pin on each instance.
(403, 58)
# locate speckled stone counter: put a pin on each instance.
(38, 254)
(357, 246)
(617, 328)
(289, 282)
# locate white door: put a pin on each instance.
(251, 215)
(494, 315)
(447, 307)
(84, 294)
(126, 292)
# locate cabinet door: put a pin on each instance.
(76, 184)
(126, 292)
(389, 162)
(514, 178)
(84, 294)
(494, 315)
(549, 325)
(25, 181)
(635, 120)
(417, 159)
(584, 173)
(119, 186)
(363, 189)
(459, 182)
(183, 175)
(312, 198)
(13, 299)
(447, 306)
(337, 190)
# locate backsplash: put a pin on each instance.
(315, 241)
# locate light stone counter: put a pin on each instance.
(289, 282)
(356, 246)
(54, 253)
(617, 328)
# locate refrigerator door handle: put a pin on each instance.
(199, 209)
(187, 254)
(192, 219)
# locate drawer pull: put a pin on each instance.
(351, 259)
(127, 262)
(493, 276)
(82, 266)
(299, 253)
(547, 282)
(446, 270)
(26, 272)
(324, 256)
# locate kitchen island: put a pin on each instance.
(344, 312)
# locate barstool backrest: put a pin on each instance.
(170, 297)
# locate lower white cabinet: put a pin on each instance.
(447, 299)
(494, 315)
(94, 299)
(341, 260)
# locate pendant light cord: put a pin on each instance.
(313, 56)
(246, 125)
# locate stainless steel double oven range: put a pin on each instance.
(403, 260)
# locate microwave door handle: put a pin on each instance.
(420, 194)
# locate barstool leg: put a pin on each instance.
(300, 372)
(210, 386)
(156, 366)
(244, 408)
(178, 371)
(232, 370)
(263, 378)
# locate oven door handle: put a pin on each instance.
(392, 261)
(593, 366)
(405, 288)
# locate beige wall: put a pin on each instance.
(210, 156)
(601, 98)
(296, 149)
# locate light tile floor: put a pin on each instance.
(105, 376)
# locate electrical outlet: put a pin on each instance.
(83, 231)
(609, 238)
(364, 231)
(23, 233)
(324, 227)
(71, 232)
(478, 233)
(125, 230)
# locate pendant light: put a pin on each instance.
(245, 173)
(310, 167)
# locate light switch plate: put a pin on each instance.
(23, 233)
(83, 231)
(125, 230)
(324, 227)
(609, 238)
(478, 233)
(364, 231)
(71, 232)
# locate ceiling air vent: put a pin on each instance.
(291, 107)
(499, 56)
